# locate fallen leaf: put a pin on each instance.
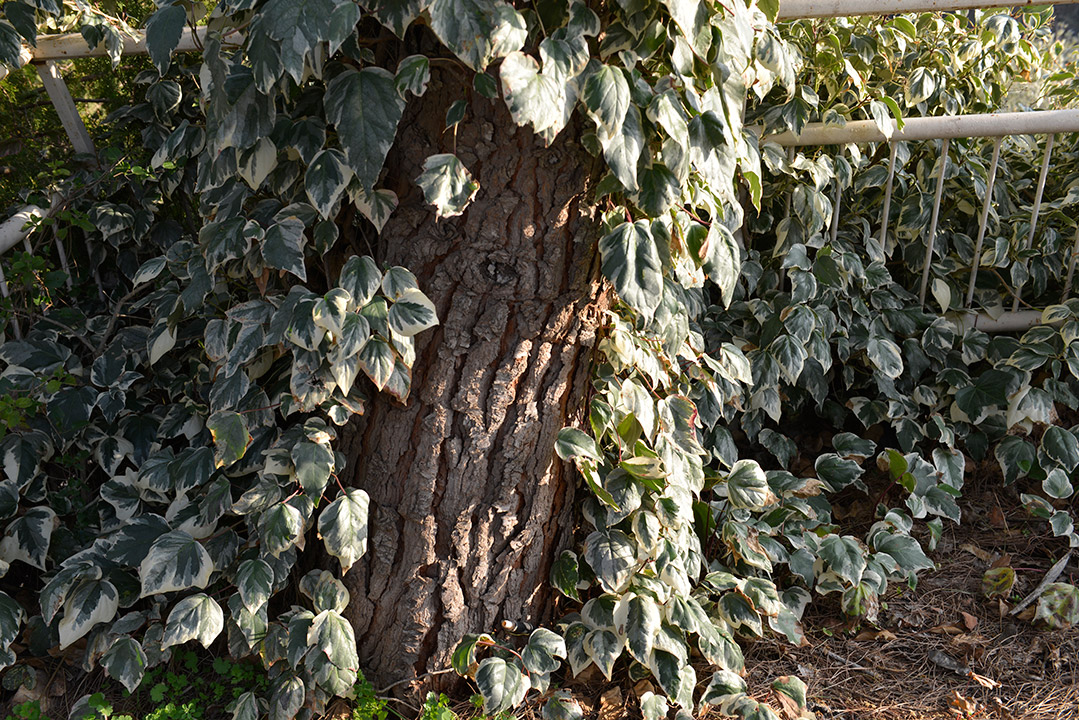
(875, 636)
(1002, 711)
(1002, 608)
(1003, 561)
(642, 687)
(611, 705)
(997, 519)
(946, 629)
(977, 552)
(964, 707)
(969, 620)
(984, 681)
(947, 662)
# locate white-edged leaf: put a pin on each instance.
(447, 184)
(125, 661)
(254, 581)
(412, 313)
(342, 525)
(197, 617)
(87, 604)
(176, 561)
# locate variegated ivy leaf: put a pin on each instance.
(478, 31)
(332, 660)
(314, 464)
(342, 525)
(447, 184)
(844, 556)
(411, 313)
(125, 661)
(612, 555)
(11, 619)
(326, 179)
(502, 685)
(176, 561)
(163, 31)
(28, 537)
(365, 107)
(248, 706)
(283, 247)
(376, 205)
(197, 617)
(413, 74)
(377, 361)
(747, 486)
(642, 624)
(280, 528)
(88, 603)
(254, 581)
(630, 260)
(286, 698)
(541, 653)
(361, 277)
(532, 97)
(231, 438)
(562, 706)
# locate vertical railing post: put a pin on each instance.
(976, 261)
(888, 196)
(933, 223)
(1036, 210)
(65, 107)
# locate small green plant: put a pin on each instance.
(26, 711)
(437, 707)
(368, 705)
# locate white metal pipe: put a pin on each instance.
(1071, 267)
(11, 230)
(795, 9)
(888, 196)
(1033, 122)
(933, 222)
(1019, 321)
(977, 259)
(65, 107)
(73, 45)
(1036, 209)
(833, 229)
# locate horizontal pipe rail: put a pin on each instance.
(72, 45)
(1033, 122)
(797, 9)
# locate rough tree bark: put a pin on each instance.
(469, 505)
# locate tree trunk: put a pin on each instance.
(469, 505)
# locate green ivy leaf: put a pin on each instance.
(197, 617)
(163, 31)
(230, 436)
(343, 527)
(125, 661)
(844, 556)
(365, 107)
(176, 561)
(631, 262)
(447, 184)
(502, 685)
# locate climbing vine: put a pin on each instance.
(176, 405)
